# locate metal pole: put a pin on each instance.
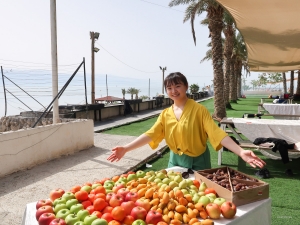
(149, 90)
(106, 88)
(54, 59)
(4, 91)
(93, 68)
(163, 79)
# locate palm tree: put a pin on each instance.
(215, 25)
(136, 92)
(123, 92)
(131, 91)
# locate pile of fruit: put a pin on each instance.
(137, 198)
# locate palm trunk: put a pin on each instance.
(231, 87)
(284, 82)
(228, 47)
(239, 80)
(215, 15)
(292, 83)
(298, 84)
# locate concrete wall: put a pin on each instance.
(24, 149)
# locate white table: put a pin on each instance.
(254, 213)
(283, 109)
(254, 128)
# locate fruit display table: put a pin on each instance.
(253, 213)
(258, 212)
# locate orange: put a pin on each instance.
(118, 213)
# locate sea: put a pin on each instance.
(33, 91)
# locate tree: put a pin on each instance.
(136, 92)
(131, 91)
(123, 92)
(194, 88)
(215, 26)
(292, 83)
(284, 82)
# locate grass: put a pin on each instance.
(284, 191)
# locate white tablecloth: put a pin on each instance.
(285, 109)
(254, 213)
(288, 130)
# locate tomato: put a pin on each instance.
(76, 188)
(104, 179)
(99, 204)
(97, 213)
(86, 203)
(99, 189)
(81, 195)
(87, 184)
(107, 209)
(210, 190)
(100, 195)
(90, 209)
(196, 183)
(118, 213)
(114, 222)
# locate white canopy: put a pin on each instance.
(271, 31)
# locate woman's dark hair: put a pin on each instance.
(175, 78)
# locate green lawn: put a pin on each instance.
(284, 190)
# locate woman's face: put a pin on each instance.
(176, 91)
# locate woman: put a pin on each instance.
(186, 126)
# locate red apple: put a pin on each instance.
(46, 218)
(43, 202)
(116, 188)
(123, 192)
(58, 221)
(228, 210)
(131, 196)
(109, 195)
(138, 213)
(57, 193)
(153, 217)
(128, 206)
(43, 209)
(128, 220)
(116, 200)
(143, 203)
(213, 210)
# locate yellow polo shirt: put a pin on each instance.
(188, 135)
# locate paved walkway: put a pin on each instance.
(19, 189)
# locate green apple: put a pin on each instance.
(68, 195)
(139, 222)
(89, 219)
(108, 191)
(108, 186)
(202, 186)
(211, 196)
(71, 219)
(99, 222)
(75, 208)
(86, 188)
(178, 178)
(62, 214)
(124, 179)
(82, 213)
(166, 180)
(173, 184)
(132, 176)
(79, 223)
(71, 202)
(219, 201)
(95, 185)
(60, 206)
(182, 184)
(59, 200)
(140, 173)
(204, 200)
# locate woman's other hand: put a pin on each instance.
(249, 157)
(117, 153)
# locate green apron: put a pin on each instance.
(200, 162)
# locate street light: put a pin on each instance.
(163, 78)
(94, 36)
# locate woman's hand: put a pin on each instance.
(117, 153)
(249, 157)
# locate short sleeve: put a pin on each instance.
(156, 133)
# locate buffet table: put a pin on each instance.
(253, 213)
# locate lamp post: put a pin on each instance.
(163, 78)
(94, 36)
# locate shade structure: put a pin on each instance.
(271, 32)
(109, 98)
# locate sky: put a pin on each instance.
(136, 37)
